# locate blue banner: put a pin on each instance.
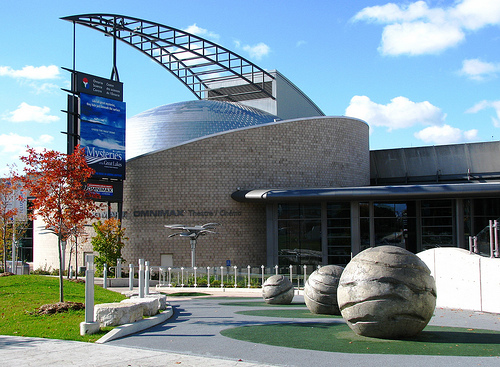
(102, 135)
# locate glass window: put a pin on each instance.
(437, 223)
(339, 233)
(299, 234)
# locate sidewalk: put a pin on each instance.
(192, 338)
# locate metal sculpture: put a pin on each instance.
(192, 233)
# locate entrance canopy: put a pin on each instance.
(402, 192)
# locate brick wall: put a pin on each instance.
(191, 184)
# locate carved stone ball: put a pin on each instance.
(386, 292)
(277, 289)
(320, 291)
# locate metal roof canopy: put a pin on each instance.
(195, 61)
(399, 193)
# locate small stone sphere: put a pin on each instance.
(320, 291)
(277, 289)
(386, 292)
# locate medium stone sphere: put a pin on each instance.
(320, 290)
(277, 289)
(386, 292)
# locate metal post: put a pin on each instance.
(248, 267)
(169, 276)
(495, 251)
(222, 277)
(262, 269)
(118, 273)
(492, 239)
(235, 269)
(141, 278)
(195, 283)
(291, 275)
(105, 276)
(305, 275)
(193, 252)
(208, 276)
(89, 326)
(276, 268)
(146, 278)
(182, 281)
(89, 289)
(130, 277)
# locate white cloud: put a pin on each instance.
(26, 112)
(31, 72)
(258, 51)
(194, 29)
(15, 144)
(479, 70)
(400, 113)
(445, 134)
(300, 43)
(487, 104)
(416, 29)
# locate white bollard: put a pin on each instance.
(222, 277)
(248, 267)
(182, 281)
(235, 269)
(89, 326)
(195, 283)
(169, 277)
(118, 270)
(105, 276)
(262, 269)
(208, 276)
(147, 275)
(141, 278)
(276, 268)
(130, 277)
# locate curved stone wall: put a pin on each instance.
(192, 184)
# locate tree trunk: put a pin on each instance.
(61, 265)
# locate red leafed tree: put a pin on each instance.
(57, 182)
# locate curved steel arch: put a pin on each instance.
(199, 64)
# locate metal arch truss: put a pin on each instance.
(199, 64)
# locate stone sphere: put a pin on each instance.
(277, 289)
(320, 290)
(386, 292)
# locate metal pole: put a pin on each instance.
(222, 277)
(141, 278)
(248, 267)
(262, 269)
(146, 278)
(105, 276)
(130, 277)
(195, 284)
(208, 276)
(193, 252)
(89, 289)
(235, 269)
(492, 240)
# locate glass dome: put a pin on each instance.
(174, 124)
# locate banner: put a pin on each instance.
(102, 135)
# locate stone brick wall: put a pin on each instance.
(192, 184)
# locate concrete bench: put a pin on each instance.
(114, 314)
(150, 306)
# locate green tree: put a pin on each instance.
(108, 242)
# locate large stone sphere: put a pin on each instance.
(386, 292)
(277, 289)
(320, 290)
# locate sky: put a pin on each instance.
(419, 73)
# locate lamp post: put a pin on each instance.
(192, 233)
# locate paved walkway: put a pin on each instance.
(191, 338)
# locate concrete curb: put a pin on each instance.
(127, 329)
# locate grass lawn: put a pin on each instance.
(21, 295)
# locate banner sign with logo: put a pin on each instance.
(102, 135)
(96, 86)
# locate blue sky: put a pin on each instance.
(418, 72)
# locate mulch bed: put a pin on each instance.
(58, 307)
